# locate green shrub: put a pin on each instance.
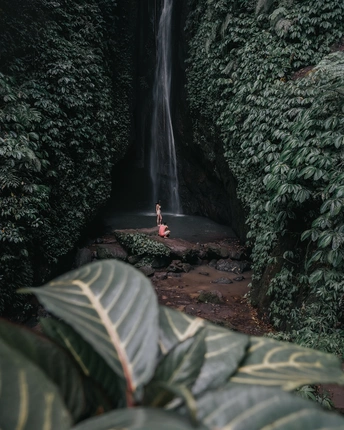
(140, 244)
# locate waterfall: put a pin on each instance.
(163, 160)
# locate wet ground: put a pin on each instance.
(181, 291)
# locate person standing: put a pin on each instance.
(158, 213)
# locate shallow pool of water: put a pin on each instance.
(187, 227)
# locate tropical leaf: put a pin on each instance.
(258, 408)
(225, 351)
(180, 367)
(176, 327)
(113, 306)
(272, 363)
(28, 399)
(57, 365)
(138, 419)
(90, 362)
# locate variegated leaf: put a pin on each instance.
(175, 327)
(138, 419)
(28, 399)
(114, 307)
(225, 350)
(89, 361)
(180, 367)
(289, 366)
(261, 408)
(57, 365)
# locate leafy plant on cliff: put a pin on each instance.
(280, 119)
(62, 128)
(118, 360)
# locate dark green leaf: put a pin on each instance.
(28, 399)
(181, 366)
(52, 360)
(113, 306)
(90, 362)
(258, 408)
(175, 327)
(289, 366)
(225, 351)
(138, 419)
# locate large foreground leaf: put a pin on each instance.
(113, 306)
(90, 362)
(138, 419)
(261, 408)
(52, 360)
(179, 368)
(28, 399)
(175, 327)
(272, 363)
(225, 350)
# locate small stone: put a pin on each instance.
(211, 297)
(175, 275)
(161, 276)
(222, 281)
(147, 270)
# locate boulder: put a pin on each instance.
(217, 250)
(186, 267)
(236, 253)
(134, 259)
(175, 267)
(160, 262)
(214, 296)
(182, 250)
(113, 250)
(212, 263)
(147, 270)
(222, 281)
(83, 256)
(160, 275)
(232, 266)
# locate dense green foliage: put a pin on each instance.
(267, 78)
(64, 122)
(140, 244)
(115, 359)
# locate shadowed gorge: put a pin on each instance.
(248, 98)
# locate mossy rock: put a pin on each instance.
(141, 244)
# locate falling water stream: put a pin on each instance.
(163, 160)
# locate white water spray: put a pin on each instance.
(163, 160)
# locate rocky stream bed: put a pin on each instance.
(209, 280)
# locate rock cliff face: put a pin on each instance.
(207, 187)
